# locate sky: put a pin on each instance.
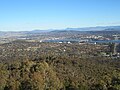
(24, 15)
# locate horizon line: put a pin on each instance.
(58, 28)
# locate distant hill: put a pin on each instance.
(36, 31)
(114, 28)
(2, 33)
(99, 28)
(107, 30)
(67, 30)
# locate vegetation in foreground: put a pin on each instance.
(59, 70)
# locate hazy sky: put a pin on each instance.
(50, 14)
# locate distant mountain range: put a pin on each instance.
(8, 36)
(99, 28)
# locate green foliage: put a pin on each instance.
(52, 68)
(4, 74)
